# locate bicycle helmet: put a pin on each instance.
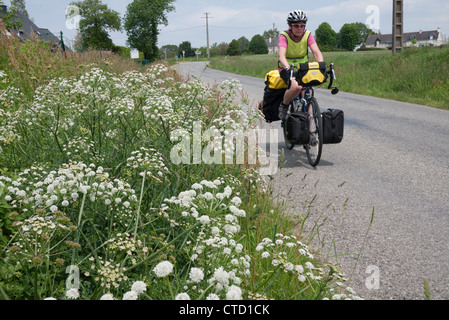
(296, 16)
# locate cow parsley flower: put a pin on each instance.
(182, 296)
(130, 295)
(163, 269)
(204, 219)
(234, 293)
(107, 296)
(72, 293)
(221, 276)
(196, 275)
(139, 287)
(212, 296)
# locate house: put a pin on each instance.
(272, 44)
(28, 27)
(422, 38)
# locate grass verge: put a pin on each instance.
(418, 75)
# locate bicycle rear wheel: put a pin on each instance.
(315, 146)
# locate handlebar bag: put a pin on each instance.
(312, 73)
(298, 128)
(333, 126)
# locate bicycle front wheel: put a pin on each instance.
(315, 146)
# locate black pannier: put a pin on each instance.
(272, 98)
(298, 128)
(333, 126)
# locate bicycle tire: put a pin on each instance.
(314, 152)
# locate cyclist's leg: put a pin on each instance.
(289, 95)
(293, 92)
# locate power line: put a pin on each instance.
(242, 27)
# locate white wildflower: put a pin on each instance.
(163, 269)
(130, 295)
(204, 219)
(72, 293)
(139, 287)
(212, 296)
(234, 293)
(196, 275)
(182, 296)
(107, 296)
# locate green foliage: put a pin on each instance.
(20, 5)
(424, 72)
(349, 36)
(141, 24)
(9, 18)
(97, 20)
(233, 49)
(326, 37)
(257, 45)
(93, 204)
(243, 44)
(186, 47)
(427, 294)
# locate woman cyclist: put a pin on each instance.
(293, 50)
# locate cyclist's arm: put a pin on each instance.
(282, 58)
(316, 52)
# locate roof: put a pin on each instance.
(407, 36)
(28, 26)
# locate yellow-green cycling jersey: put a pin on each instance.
(297, 52)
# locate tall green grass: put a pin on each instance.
(417, 75)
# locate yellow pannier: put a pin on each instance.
(274, 81)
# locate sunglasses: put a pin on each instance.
(299, 26)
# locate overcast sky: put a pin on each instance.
(231, 19)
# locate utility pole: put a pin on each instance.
(207, 32)
(398, 28)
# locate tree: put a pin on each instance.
(141, 22)
(169, 51)
(233, 48)
(10, 18)
(96, 20)
(349, 36)
(272, 33)
(257, 45)
(326, 37)
(221, 48)
(186, 46)
(364, 31)
(20, 6)
(243, 44)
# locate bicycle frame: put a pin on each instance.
(309, 105)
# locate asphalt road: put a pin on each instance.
(393, 160)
